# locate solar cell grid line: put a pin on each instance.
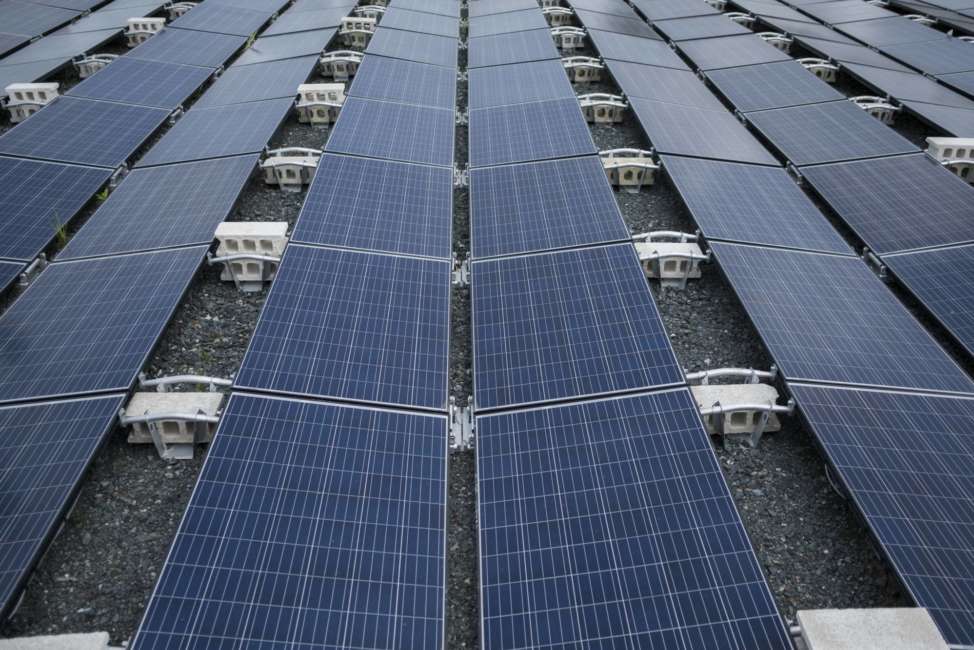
(953, 121)
(527, 132)
(145, 83)
(303, 21)
(907, 86)
(188, 47)
(512, 21)
(441, 7)
(312, 525)
(355, 326)
(635, 49)
(632, 26)
(37, 199)
(424, 23)
(772, 85)
(542, 206)
(609, 524)
(287, 46)
(260, 81)
(686, 130)
(518, 83)
(218, 132)
(846, 11)
(890, 31)
(88, 326)
(412, 46)
(566, 325)
(943, 56)
(221, 19)
(751, 204)
(663, 9)
(514, 47)
(84, 131)
(392, 131)
(828, 132)
(9, 271)
(829, 319)
(407, 82)
(163, 207)
(905, 459)
(45, 449)
(378, 205)
(682, 29)
(846, 53)
(479, 8)
(731, 51)
(662, 84)
(32, 19)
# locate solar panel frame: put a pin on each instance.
(221, 19)
(259, 81)
(84, 131)
(518, 83)
(37, 198)
(771, 85)
(480, 8)
(424, 23)
(632, 26)
(32, 19)
(378, 205)
(662, 84)
(89, 326)
(305, 21)
(417, 134)
(943, 56)
(9, 271)
(624, 532)
(907, 86)
(528, 132)
(354, 326)
(288, 46)
(502, 23)
(846, 11)
(635, 49)
(109, 18)
(731, 51)
(412, 46)
(800, 28)
(542, 206)
(952, 121)
(828, 319)
(60, 46)
(47, 447)
(565, 325)
(751, 204)
(219, 132)
(890, 31)
(845, 53)
(189, 47)
(682, 29)
(144, 83)
(372, 538)
(406, 82)
(513, 47)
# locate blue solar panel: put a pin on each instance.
(828, 318)
(311, 525)
(38, 198)
(302, 21)
(890, 31)
(663, 84)
(514, 47)
(222, 19)
(943, 56)
(663, 9)
(44, 451)
(632, 26)
(89, 326)
(9, 272)
(189, 47)
(10, 42)
(111, 18)
(731, 51)
(906, 461)
(412, 46)
(566, 325)
(963, 81)
(379, 205)
(850, 53)
(518, 84)
(608, 524)
(542, 206)
(221, 131)
(682, 29)
(907, 86)
(28, 72)
(615, 7)
(805, 29)
(408, 82)
(751, 204)
(275, 48)
(952, 121)
(146, 83)
(32, 19)
(85, 131)
(424, 23)
(60, 46)
(478, 8)
(526, 132)
(510, 21)
(772, 85)
(354, 326)
(441, 7)
(249, 83)
(635, 49)
(163, 207)
(846, 11)
(394, 131)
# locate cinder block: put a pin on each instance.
(901, 628)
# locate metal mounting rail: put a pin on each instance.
(752, 376)
(161, 383)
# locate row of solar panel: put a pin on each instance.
(827, 319)
(24, 20)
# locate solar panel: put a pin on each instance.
(60, 46)
(731, 51)
(189, 47)
(9, 272)
(618, 24)
(907, 86)
(111, 18)
(764, 9)
(269, 6)
(32, 19)
(163, 207)
(663, 84)
(313, 5)
(542, 206)
(635, 49)
(408, 82)
(44, 452)
(849, 53)
(401, 132)
(681, 29)
(331, 533)
(412, 46)
(609, 524)
(222, 131)
(379, 205)
(354, 326)
(414, 21)
(846, 11)
(10, 42)
(526, 132)
(518, 84)
(615, 7)
(28, 72)
(145, 83)
(963, 81)
(478, 8)
(222, 19)
(303, 21)
(249, 83)
(84, 327)
(514, 47)
(905, 461)
(890, 31)
(942, 56)
(513, 21)
(887, 202)
(83, 131)
(771, 85)
(689, 131)
(751, 204)
(76, 5)
(275, 48)
(37, 198)
(566, 325)
(807, 30)
(663, 9)
(441, 7)
(953, 121)
(828, 318)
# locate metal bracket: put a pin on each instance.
(460, 275)
(718, 411)
(27, 275)
(165, 450)
(462, 428)
(878, 107)
(462, 118)
(161, 384)
(873, 262)
(269, 267)
(461, 176)
(462, 75)
(750, 375)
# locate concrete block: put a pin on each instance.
(568, 39)
(339, 65)
(138, 30)
(738, 422)
(558, 16)
(90, 641)
(603, 108)
(258, 237)
(174, 431)
(902, 628)
(25, 99)
(956, 154)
